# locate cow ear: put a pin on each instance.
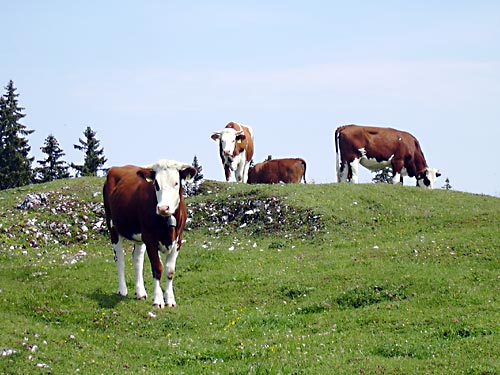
(146, 174)
(188, 173)
(240, 137)
(215, 136)
(438, 174)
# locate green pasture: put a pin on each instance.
(281, 279)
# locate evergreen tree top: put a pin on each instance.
(15, 163)
(94, 157)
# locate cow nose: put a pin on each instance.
(163, 210)
(227, 152)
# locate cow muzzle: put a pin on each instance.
(163, 211)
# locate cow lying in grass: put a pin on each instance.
(278, 170)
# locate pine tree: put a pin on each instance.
(15, 165)
(94, 157)
(192, 186)
(199, 168)
(52, 168)
(383, 176)
(447, 185)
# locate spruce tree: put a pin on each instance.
(192, 186)
(52, 168)
(94, 157)
(15, 165)
(383, 176)
(447, 185)
(199, 168)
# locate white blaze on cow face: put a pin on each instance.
(167, 181)
(228, 138)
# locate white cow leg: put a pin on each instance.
(396, 179)
(120, 266)
(158, 294)
(355, 171)
(170, 273)
(342, 174)
(138, 257)
(245, 172)
(239, 173)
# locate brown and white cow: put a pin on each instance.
(278, 170)
(376, 148)
(145, 205)
(235, 149)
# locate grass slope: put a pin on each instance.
(286, 279)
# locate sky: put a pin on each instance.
(154, 79)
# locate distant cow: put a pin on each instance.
(145, 205)
(235, 149)
(376, 148)
(278, 170)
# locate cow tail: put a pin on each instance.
(337, 152)
(304, 176)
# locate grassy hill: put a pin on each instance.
(286, 279)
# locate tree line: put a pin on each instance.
(16, 166)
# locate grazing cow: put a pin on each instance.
(278, 170)
(376, 148)
(145, 205)
(235, 149)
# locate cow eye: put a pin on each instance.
(157, 187)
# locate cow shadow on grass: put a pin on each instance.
(107, 300)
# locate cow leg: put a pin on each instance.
(120, 266)
(239, 173)
(170, 273)
(227, 172)
(157, 269)
(245, 172)
(342, 172)
(138, 257)
(397, 178)
(354, 167)
(397, 172)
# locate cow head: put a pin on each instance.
(428, 178)
(167, 176)
(228, 140)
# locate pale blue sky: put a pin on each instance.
(155, 78)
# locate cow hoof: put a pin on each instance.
(173, 305)
(158, 305)
(142, 298)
